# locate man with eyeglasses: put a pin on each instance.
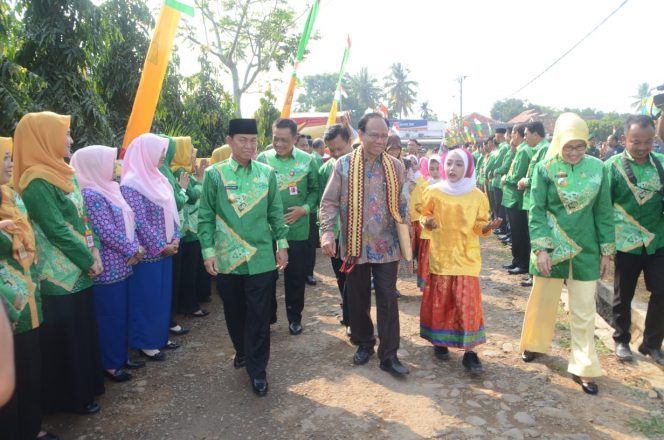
(297, 178)
(365, 192)
(637, 193)
(240, 215)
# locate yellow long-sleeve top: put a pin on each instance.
(415, 207)
(455, 243)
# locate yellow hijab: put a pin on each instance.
(220, 154)
(183, 151)
(569, 127)
(39, 151)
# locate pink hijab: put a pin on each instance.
(140, 171)
(424, 167)
(95, 167)
(467, 183)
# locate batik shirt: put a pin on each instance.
(540, 153)
(107, 222)
(239, 217)
(324, 174)
(569, 217)
(512, 195)
(380, 241)
(637, 209)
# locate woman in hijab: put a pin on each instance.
(573, 239)
(456, 213)
(150, 196)
(194, 281)
(21, 417)
(68, 261)
(112, 220)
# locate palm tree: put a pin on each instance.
(643, 92)
(401, 93)
(364, 90)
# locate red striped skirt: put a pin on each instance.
(423, 263)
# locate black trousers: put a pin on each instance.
(492, 206)
(520, 236)
(21, 417)
(295, 276)
(246, 301)
(341, 284)
(185, 278)
(358, 287)
(628, 268)
(500, 210)
(313, 242)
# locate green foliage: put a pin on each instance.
(507, 109)
(650, 426)
(642, 93)
(363, 93)
(401, 92)
(265, 115)
(318, 92)
(427, 113)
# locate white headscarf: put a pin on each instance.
(467, 182)
(435, 158)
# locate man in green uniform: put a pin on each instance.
(506, 153)
(239, 216)
(297, 178)
(493, 181)
(637, 193)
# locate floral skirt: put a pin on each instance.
(451, 311)
(423, 263)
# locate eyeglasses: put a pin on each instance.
(576, 148)
(377, 136)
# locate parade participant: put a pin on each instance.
(611, 147)
(338, 140)
(150, 195)
(415, 210)
(414, 148)
(193, 281)
(68, 256)
(637, 182)
(220, 154)
(318, 145)
(573, 240)
(493, 163)
(240, 215)
(318, 149)
(112, 220)
(502, 168)
(302, 142)
(297, 177)
(513, 201)
(7, 367)
(535, 139)
(365, 191)
(455, 213)
(21, 416)
(394, 146)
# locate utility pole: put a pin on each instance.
(460, 79)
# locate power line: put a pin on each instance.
(570, 49)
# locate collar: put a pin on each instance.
(290, 156)
(235, 165)
(542, 143)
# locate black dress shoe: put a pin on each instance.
(239, 362)
(200, 313)
(311, 280)
(119, 375)
(178, 332)
(171, 346)
(393, 366)
(259, 386)
(362, 354)
(295, 328)
(509, 266)
(134, 364)
(157, 357)
(517, 271)
(527, 282)
(503, 237)
(623, 352)
(655, 353)
(528, 356)
(48, 436)
(90, 408)
(471, 363)
(441, 353)
(587, 387)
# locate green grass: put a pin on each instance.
(650, 426)
(601, 347)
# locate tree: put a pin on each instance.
(401, 93)
(642, 93)
(427, 113)
(507, 109)
(363, 93)
(318, 92)
(265, 115)
(247, 37)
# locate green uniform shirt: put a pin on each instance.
(239, 216)
(297, 179)
(189, 212)
(503, 168)
(476, 156)
(512, 195)
(568, 217)
(637, 209)
(502, 163)
(489, 167)
(480, 170)
(19, 289)
(540, 152)
(58, 221)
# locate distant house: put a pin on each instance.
(548, 120)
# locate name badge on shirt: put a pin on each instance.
(292, 189)
(232, 187)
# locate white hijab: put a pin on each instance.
(467, 183)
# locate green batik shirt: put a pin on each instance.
(637, 209)
(189, 211)
(297, 179)
(19, 288)
(63, 257)
(239, 216)
(512, 195)
(324, 173)
(489, 167)
(540, 152)
(476, 156)
(481, 162)
(502, 163)
(569, 217)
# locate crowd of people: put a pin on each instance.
(98, 259)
